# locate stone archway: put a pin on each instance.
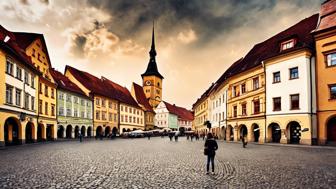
(294, 132)
(99, 131)
(77, 131)
(242, 131)
(89, 132)
(124, 130)
(12, 131)
(223, 132)
(107, 131)
(40, 132)
(230, 133)
(83, 131)
(274, 133)
(114, 131)
(69, 131)
(331, 131)
(255, 132)
(60, 131)
(30, 130)
(50, 132)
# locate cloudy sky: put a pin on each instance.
(196, 40)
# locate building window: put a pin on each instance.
(103, 115)
(256, 83)
(294, 73)
(256, 105)
(82, 114)
(40, 107)
(69, 112)
(9, 94)
(18, 73)
(234, 111)
(75, 113)
(243, 88)
(46, 108)
(97, 101)
(332, 89)
(103, 103)
(234, 91)
(33, 53)
(18, 97)
(88, 114)
(68, 96)
(126, 109)
(295, 101)
(276, 77)
(9, 67)
(52, 110)
(82, 102)
(115, 117)
(331, 59)
(32, 81)
(26, 78)
(133, 119)
(110, 104)
(26, 103)
(277, 104)
(61, 96)
(244, 109)
(40, 88)
(126, 118)
(61, 111)
(287, 44)
(110, 116)
(52, 93)
(46, 90)
(130, 119)
(32, 103)
(121, 108)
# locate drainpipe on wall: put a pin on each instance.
(263, 65)
(311, 100)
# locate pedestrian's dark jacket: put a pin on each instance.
(212, 146)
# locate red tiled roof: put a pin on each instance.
(25, 39)
(121, 93)
(14, 48)
(141, 97)
(64, 83)
(182, 113)
(103, 86)
(327, 16)
(268, 49)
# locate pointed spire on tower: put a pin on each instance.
(152, 67)
(152, 52)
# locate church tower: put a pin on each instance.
(152, 79)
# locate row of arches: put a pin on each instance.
(273, 132)
(70, 132)
(13, 132)
(107, 132)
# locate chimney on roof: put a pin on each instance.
(103, 78)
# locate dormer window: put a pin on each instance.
(287, 44)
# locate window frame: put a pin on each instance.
(274, 107)
(291, 101)
(290, 73)
(284, 43)
(330, 95)
(326, 54)
(274, 80)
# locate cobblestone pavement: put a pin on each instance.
(159, 163)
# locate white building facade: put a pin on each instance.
(290, 98)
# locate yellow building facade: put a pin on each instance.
(325, 41)
(246, 106)
(18, 101)
(105, 117)
(47, 122)
(201, 115)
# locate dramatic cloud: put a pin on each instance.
(196, 40)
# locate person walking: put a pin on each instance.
(244, 140)
(148, 135)
(210, 148)
(80, 137)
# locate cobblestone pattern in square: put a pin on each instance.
(159, 163)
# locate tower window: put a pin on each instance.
(158, 84)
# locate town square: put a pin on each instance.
(167, 94)
(160, 163)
